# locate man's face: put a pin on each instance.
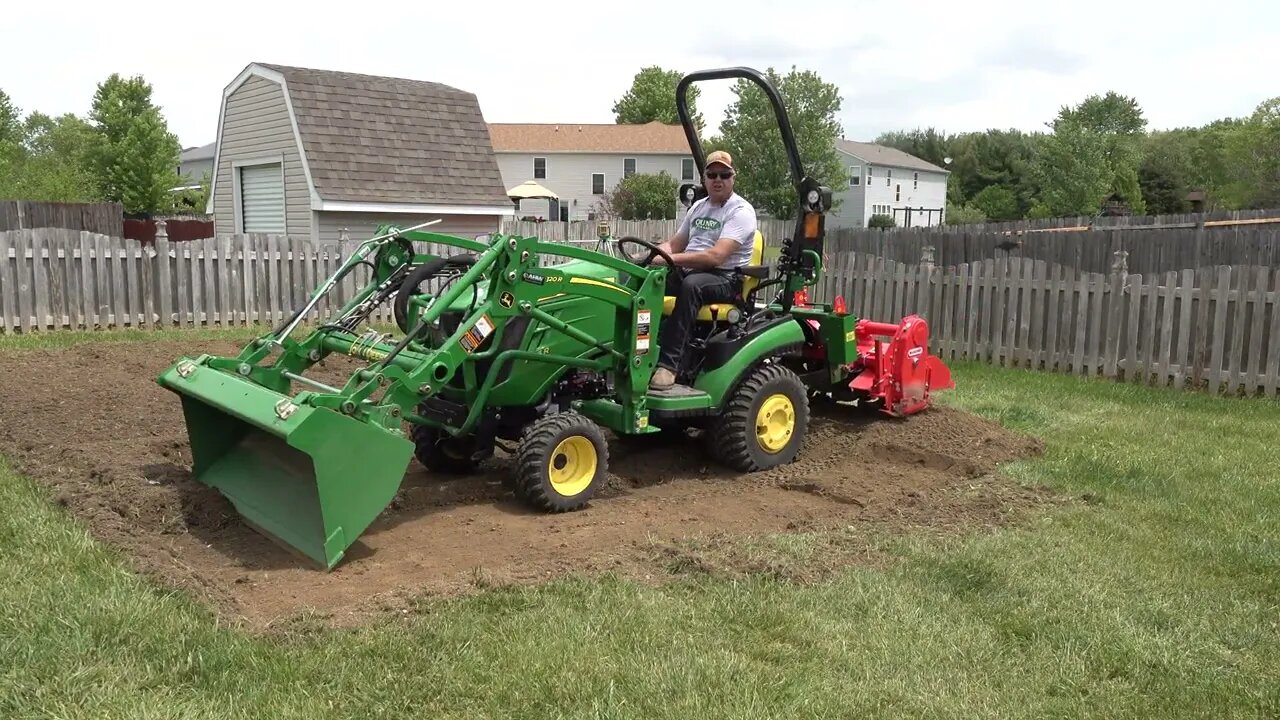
(719, 182)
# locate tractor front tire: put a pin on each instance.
(561, 462)
(440, 452)
(764, 422)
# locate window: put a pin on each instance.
(855, 175)
(564, 211)
(597, 183)
(686, 169)
(628, 167)
(915, 181)
(540, 168)
(897, 193)
(888, 178)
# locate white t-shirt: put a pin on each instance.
(706, 223)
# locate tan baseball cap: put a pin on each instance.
(722, 157)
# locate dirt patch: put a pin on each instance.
(92, 427)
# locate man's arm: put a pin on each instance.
(676, 243)
(712, 257)
(737, 231)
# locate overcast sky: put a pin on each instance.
(953, 65)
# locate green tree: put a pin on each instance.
(1166, 171)
(652, 96)
(997, 202)
(10, 146)
(1254, 151)
(1118, 121)
(56, 167)
(750, 132)
(1071, 169)
(642, 196)
(136, 157)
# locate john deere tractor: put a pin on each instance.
(542, 345)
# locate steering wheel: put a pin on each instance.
(654, 250)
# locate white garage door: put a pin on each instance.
(262, 198)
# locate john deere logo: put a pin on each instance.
(507, 300)
(706, 223)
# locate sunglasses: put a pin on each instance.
(724, 175)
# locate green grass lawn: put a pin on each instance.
(1155, 594)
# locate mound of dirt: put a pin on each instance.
(92, 427)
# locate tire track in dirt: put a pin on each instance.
(104, 441)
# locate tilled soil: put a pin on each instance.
(92, 427)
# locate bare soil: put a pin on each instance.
(93, 429)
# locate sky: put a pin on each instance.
(954, 66)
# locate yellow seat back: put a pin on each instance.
(757, 258)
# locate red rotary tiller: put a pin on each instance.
(897, 375)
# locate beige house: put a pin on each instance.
(581, 163)
(310, 153)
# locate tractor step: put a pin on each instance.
(676, 391)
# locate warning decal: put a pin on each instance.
(478, 332)
(642, 331)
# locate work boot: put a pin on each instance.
(662, 379)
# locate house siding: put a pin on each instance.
(255, 124)
(361, 226)
(881, 189)
(851, 199)
(879, 185)
(569, 176)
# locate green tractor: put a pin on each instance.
(542, 345)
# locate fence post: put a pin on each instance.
(162, 253)
(1115, 311)
(927, 296)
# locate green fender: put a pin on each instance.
(719, 382)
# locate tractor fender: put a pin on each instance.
(776, 339)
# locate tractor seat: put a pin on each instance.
(720, 311)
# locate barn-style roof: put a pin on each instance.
(374, 139)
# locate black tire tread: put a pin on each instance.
(427, 450)
(539, 440)
(734, 429)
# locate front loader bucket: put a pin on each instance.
(309, 478)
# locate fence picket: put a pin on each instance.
(1257, 340)
(1273, 349)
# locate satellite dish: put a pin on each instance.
(946, 161)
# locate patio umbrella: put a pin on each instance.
(531, 190)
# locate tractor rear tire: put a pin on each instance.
(440, 452)
(764, 422)
(561, 462)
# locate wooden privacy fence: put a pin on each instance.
(52, 279)
(1216, 328)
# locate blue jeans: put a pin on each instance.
(700, 287)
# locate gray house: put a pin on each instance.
(310, 153)
(193, 163)
(886, 181)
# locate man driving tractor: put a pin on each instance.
(715, 238)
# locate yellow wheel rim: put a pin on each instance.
(775, 423)
(572, 465)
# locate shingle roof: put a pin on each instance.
(201, 152)
(652, 137)
(883, 155)
(380, 139)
